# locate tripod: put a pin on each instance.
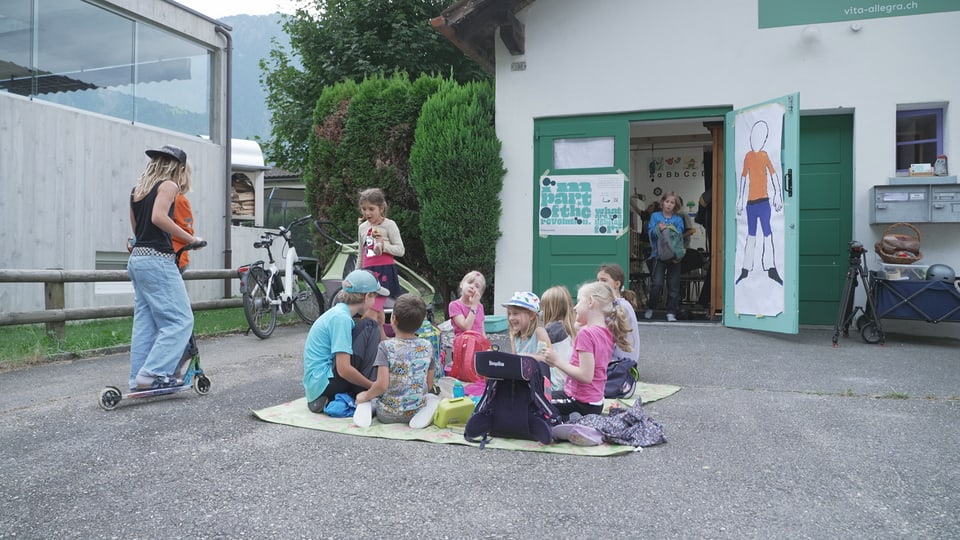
(870, 327)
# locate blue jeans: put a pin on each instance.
(162, 318)
(669, 271)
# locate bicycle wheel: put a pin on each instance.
(261, 314)
(307, 300)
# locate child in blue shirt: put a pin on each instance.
(666, 221)
(338, 355)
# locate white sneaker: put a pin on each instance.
(671, 317)
(363, 416)
(424, 416)
(648, 314)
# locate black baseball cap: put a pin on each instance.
(169, 150)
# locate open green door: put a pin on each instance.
(580, 197)
(761, 261)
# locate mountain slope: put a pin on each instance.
(252, 35)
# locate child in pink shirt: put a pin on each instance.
(603, 323)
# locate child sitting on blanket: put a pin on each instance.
(405, 366)
(526, 334)
(338, 355)
(603, 322)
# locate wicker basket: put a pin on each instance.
(899, 248)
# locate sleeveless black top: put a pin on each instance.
(149, 235)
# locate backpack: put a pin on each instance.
(628, 426)
(622, 376)
(465, 346)
(431, 333)
(665, 244)
(512, 404)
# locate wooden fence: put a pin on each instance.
(55, 315)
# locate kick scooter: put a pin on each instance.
(188, 371)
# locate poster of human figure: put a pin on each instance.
(758, 285)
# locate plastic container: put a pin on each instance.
(897, 272)
(495, 323)
(454, 411)
(458, 390)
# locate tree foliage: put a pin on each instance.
(458, 173)
(338, 40)
(362, 138)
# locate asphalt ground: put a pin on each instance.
(771, 436)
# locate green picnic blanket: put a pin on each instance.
(296, 413)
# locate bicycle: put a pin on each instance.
(266, 289)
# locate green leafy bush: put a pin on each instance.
(458, 173)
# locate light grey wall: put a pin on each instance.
(66, 176)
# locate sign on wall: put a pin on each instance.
(581, 205)
(774, 13)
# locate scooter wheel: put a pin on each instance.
(201, 384)
(109, 398)
(870, 332)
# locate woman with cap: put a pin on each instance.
(162, 318)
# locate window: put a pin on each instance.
(77, 54)
(919, 137)
(586, 153)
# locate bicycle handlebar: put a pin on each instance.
(319, 224)
(283, 232)
(188, 247)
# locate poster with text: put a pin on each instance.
(582, 205)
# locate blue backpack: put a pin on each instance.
(622, 377)
(513, 403)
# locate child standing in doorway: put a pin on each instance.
(380, 242)
(603, 323)
(404, 373)
(466, 312)
(665, 223)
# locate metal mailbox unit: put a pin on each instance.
(916, 203)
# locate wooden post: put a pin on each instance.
(716, 227)
(54, 299)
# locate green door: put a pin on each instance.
(826, 157)
(580, 199)
(761, 202)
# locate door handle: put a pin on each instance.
(788, 184)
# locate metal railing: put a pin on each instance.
(55, 315)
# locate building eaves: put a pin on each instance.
(471, 25)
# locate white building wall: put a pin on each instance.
(624, 55)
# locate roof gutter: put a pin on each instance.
(228, 159)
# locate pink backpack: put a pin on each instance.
(465, 347)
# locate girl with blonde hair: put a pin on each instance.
(162, 318)
(603, 323)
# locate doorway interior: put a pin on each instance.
(678, 156)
